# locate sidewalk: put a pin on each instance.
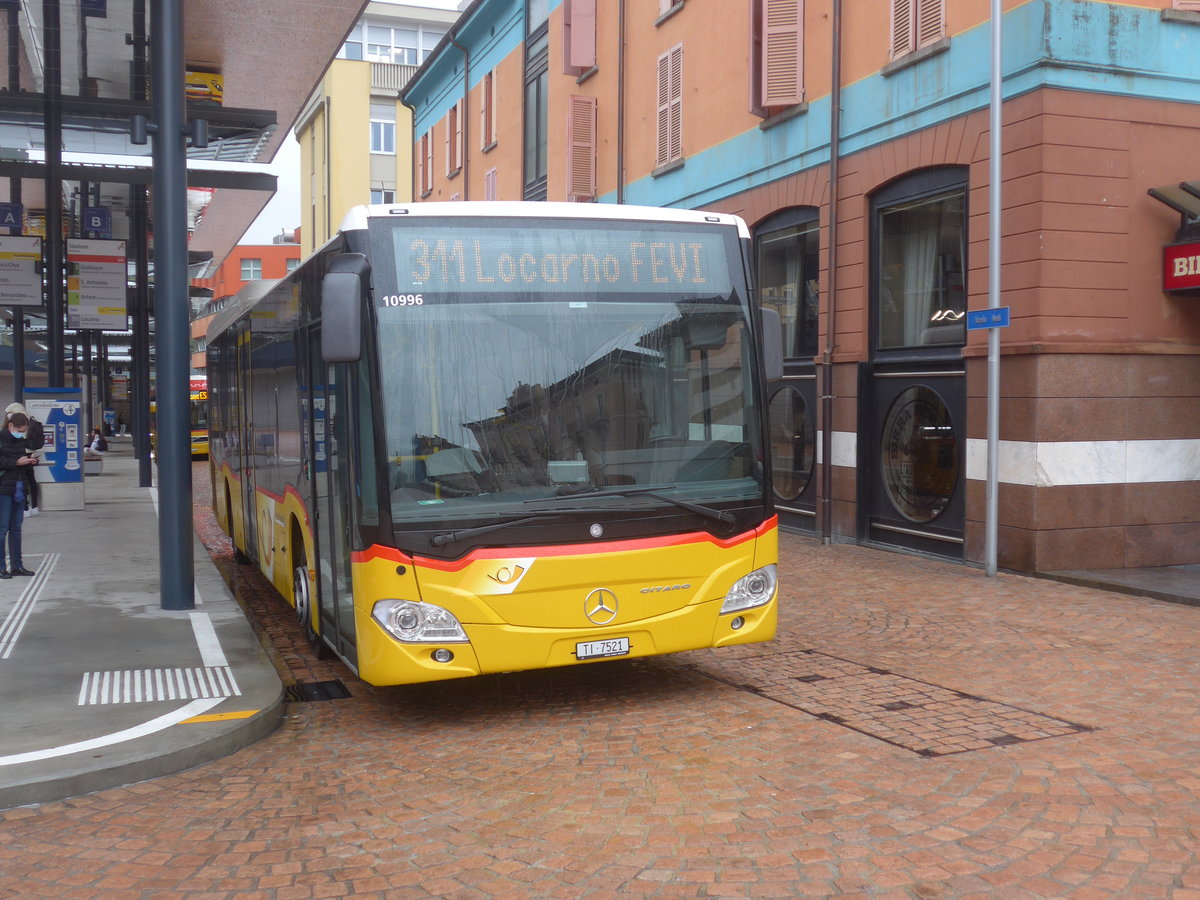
(99, 686)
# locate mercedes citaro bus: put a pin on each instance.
(468, 438)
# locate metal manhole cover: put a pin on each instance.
(925, 718)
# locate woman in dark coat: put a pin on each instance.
(16, 475)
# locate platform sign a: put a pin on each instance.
(12, 215)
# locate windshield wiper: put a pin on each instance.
(450, 537)
(722, 516)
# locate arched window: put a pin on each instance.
(919, 262)
(788, 258)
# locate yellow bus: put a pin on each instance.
(198, 413)
(470, 438)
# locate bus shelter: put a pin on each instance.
(135, 132)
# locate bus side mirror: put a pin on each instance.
(772, 336)
(342, 294)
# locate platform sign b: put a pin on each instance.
(98, 219)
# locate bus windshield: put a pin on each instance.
(548, 360)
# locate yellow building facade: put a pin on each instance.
(355, 135)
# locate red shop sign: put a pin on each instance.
(1181, 267)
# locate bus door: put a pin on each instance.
(333, 499)
(245, 427)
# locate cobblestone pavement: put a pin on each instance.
(918, 731)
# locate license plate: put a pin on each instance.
(601, 649)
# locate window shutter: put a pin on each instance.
(579, 47)
(783, 52)
(429, 161)
(902, 27)
(931, 21)
(487, 113)
(421, 162)
(447, 140)
(581, 149)
(677, 101)
(489, 185)
(670, 105)
(457, 120)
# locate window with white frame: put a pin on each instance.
(383, 128)
(290, 265)
(670, 106)
(383, 195)
(409, 44)
(251, 269)
(916, 24)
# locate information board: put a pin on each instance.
(96, 278)
(20, 271)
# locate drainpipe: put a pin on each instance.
(835, 150)
(621, 101)
(326, 151)
(466, 118)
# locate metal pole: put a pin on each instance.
(176, 565)
(55, 364)
(139, 377)
(991, 515)
(14, 194)
(825, 519)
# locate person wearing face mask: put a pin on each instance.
(35, 438)
(16, 475)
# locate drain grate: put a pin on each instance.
(919, 716)
(313, 691)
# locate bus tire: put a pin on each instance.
(238, 556)
(302, 596)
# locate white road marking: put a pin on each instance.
(19, 614)
(195, 708)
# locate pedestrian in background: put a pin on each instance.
(35, 440)
(98, 444)
(16, 476)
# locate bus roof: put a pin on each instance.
(356, 218)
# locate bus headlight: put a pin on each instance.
(418, 623)
(751, 590)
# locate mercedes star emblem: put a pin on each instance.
(600, 606)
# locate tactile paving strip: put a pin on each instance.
(925, 718)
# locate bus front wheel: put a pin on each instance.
(302, 594)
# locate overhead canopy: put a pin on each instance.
(270, 54)
(1183, 197)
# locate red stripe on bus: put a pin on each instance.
(375, 551)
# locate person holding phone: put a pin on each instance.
(16, 476)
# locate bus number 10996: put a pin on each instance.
(403, 300)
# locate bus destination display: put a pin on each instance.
(436, 260)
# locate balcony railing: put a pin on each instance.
(389, 76)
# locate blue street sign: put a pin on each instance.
(993, 317)
(99, 220)
(12, 215)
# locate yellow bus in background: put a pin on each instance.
(198, 414)
(467, 438)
